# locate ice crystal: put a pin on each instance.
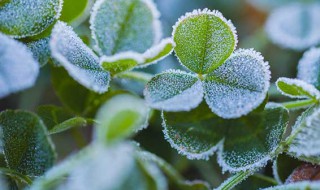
(79, 60)
(40, 50)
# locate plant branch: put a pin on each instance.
(234, 180)
(298, 104)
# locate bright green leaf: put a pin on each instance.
(119, 117)
(40, 49)
(79, 60)
(296, 88)
(204, 40)
(27, 148)
(239, 86)
(69, 124)
(304, 185)
(244, 143)
(133, 26)
(75, 12)
(283, 166)
(23, 18)
(174, 90)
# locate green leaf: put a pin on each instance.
(309, 67)
(40, 49)
(15, 175)
(69, 124)
(304, 142)
(283, 166)
(27, 148)
(79, 60)
(174, 90)
(119, 117)
(16, 74)
(239, 86)
(121, 62)
(134, 26)
(245, 143)
(295, 88)
(305, 185)
(23, 18)
(204, 40)
(75, 13)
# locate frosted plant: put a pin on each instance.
(16, 74)
(295, 26)
(40, 50)
(233, 84)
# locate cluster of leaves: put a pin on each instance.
(219, 104)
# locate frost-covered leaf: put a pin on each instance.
(119, 117)
(234, 180)
(27, 148)
(18, 69)
(80, 61)
(204, 40)
(132, 26)
(295, 26)
(238, 86)
(304, 141)
(121, 62)
(75, 12)
(283, 166)
(305, 185)
(244, 143)
(309, 67)
(296, 88)
(23, 18)
(40, 50)
(174, 90)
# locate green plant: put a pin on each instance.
(217, 102)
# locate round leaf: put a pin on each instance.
(18, 69)
(238, 86)
(204, 40)
(174, 90)
(134, 25)
(23, 18)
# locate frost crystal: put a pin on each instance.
(124, 25)
(18, 69)
(40, 50)
(174, 91)
(23, 18)
(295, 26)
(297, 185)
(79, 60)
(309, 67)
(239, 85)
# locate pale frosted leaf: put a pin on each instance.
(27, 148)
(174, 90)
(242, 144)
(132, 26)
(80, 61)
(40, 50)
(18, 69)
(238, 86)
(204, 40)
(296, 88)
(119, 117)
(305, 185)
(22, 18)
(68, 124)
(309, 67)
(295, 26)
(121, 62)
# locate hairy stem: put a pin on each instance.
(234, 180)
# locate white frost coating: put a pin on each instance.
(79, 60)
(275, 171)
(206, 11)
(18, 68)
(239, 85)
(122, 55)
(312, 185)
(306, 141)
(174, 91)
(308, 88)
(295, 26)
(24, 18)
(309, 67)
(40, 50)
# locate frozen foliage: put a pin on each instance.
(309, 67)
(295, 26)
(124, 25)
(120, 116)
(40, 50)
(239, 85)
(204, 40)
(174, 90)
(79, 60)
(18, 69)
(241, 144)
(307, 185)
(27, 148)
(296, 88)
(22, 18)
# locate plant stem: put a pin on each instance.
(299, 104)
(16, 175)
(135, 75)
(234, 180)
